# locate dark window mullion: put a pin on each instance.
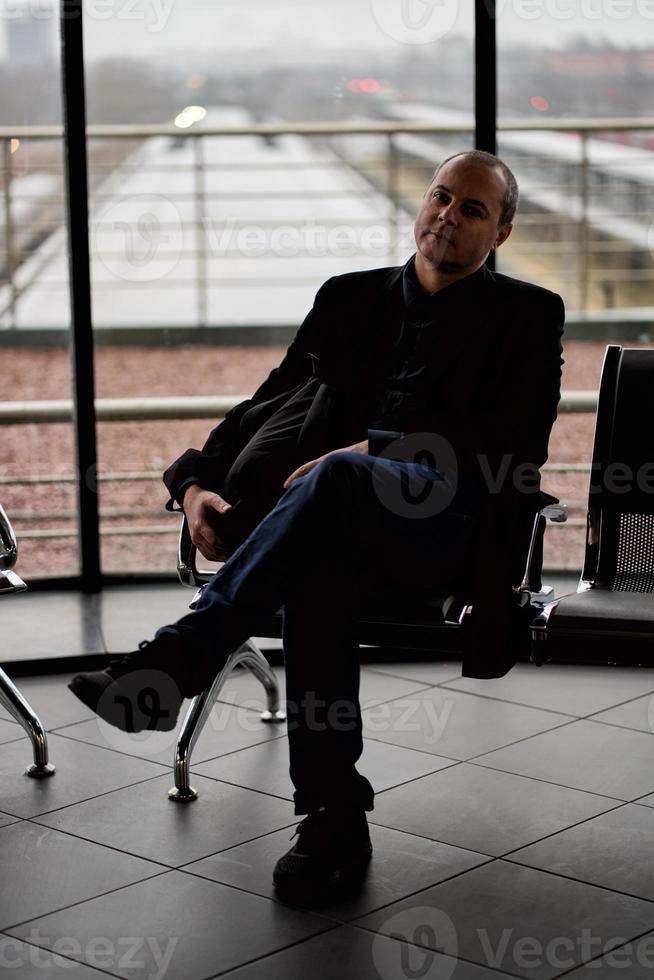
(486, 83)
(74, 115)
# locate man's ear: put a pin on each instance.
(503, 233)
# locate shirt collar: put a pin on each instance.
(421, 305)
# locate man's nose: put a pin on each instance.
(447, 214)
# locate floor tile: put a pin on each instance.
(128, 616)
(6, 818)
(517, 919)
(55, 870)
(178, 926)
(82, 771)
(637, 714)
(243, 688)
(50, 699)
(607, 850)
(423, 673)
(39, 625)
(567, 688)
(266, 767)
(227, 729)
(354, 954)
(454, 724)
(26, 962)
(9, 731)
(486, 810)
(142, 820)
(585, 755)
(401, 864)
(634, 961)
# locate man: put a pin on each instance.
(436, 385)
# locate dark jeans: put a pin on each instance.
(353, 526)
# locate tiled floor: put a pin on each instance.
(513, 831)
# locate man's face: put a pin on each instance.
(458, 222)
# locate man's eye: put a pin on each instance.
(474, 213)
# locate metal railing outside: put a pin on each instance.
(572, 230)
(160, 409)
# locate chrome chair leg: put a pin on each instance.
(17, 706)
(259, 666)
(250, 656)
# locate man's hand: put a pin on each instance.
(200, 506)
(358, 447)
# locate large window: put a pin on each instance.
(584, 227)
(37, 463)
(209, 235)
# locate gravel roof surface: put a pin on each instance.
(36, 450)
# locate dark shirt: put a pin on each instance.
(422, 355)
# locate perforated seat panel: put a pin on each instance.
(635, 560)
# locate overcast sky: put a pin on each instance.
(159, 27)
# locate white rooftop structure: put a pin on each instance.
(276, 218)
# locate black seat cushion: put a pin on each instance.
(604, 611)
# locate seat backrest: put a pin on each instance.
(620, 530)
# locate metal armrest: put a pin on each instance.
(558, 513)
(186, 558)
(8, 546)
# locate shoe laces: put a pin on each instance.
(127, 658)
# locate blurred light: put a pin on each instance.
(13, 145)
(368, 85)
(195, 81)
(539, 102)
(191, 114)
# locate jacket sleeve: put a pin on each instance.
(209, 466)
(510, 443)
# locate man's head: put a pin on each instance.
(466, 212)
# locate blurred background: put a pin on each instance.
(240, 153)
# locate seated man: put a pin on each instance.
(433, 388)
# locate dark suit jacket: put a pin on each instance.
(503, 390)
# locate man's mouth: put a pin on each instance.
(439, 236)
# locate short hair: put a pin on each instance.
(511, 194)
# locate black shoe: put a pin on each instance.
(141, 691)
(328, 860)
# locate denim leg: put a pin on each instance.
(321, 659)
(334, 536)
